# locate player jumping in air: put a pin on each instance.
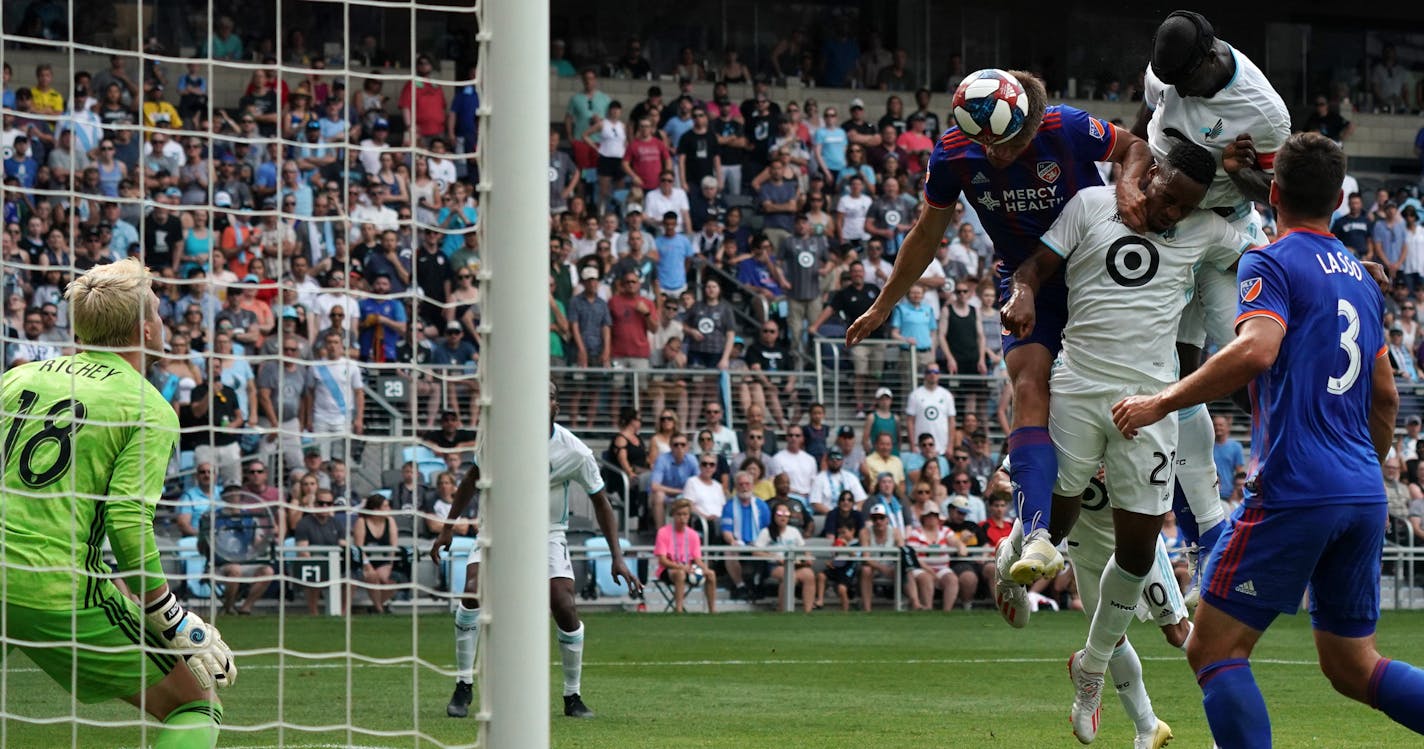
(1120, 280)
(87, 445)
(1018, 187)
(1309, 344)
(570, 461)
(1202, 90)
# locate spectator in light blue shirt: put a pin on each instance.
(829, 146)
(914, 323)
(1227, 454)
(679, 124)
(743, 518)
(197, 500)
(670, 473)
(674, 252)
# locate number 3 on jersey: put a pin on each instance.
(60, 434)
(1349, 340)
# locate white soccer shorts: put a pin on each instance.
(559, 563)
(1090, 544)
(1139, 470)
(1196, 470)
(1211, 312)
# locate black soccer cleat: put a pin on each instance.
(574, 707)
(459, 706)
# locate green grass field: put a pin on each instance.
(740, 680)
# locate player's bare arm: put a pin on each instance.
(608, 523)
(1258, 341)
(1384, 406)
(1132, 153)
(464, 494)
(1018, 313)
(1239, 161)
(915, 255)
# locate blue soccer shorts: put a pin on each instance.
(1051, 308)
(1267, 558)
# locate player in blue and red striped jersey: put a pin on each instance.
(1323, 405)
(1018, 187)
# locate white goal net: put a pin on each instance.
(325, 193)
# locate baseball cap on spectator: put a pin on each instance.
(589, 272)
(454, 325)
(856, 103)
(313, 125)
(1413, 420)
(884, 393)
(709, 181)
(959, 502)
(380, 124)
(251, 278)
(269, 202)
(879, 509)
(1390, 204)
(834, 455)
(737, 341)
(845, 432)
(290, 313)
(930, 508)
(173, 192)
(884, 475)
(635, 209)
(311, 450)
(222, 199)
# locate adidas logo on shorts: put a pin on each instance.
(1246, 589)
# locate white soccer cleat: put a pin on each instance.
(1087, 699)
(1040, 560)
(1009, 597)
(1154, 739)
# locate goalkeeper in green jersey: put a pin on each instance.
(87, 441)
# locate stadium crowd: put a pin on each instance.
(309, 239)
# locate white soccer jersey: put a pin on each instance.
(1126, 291)
(570, 461)
(1248, 104)
(932, 410)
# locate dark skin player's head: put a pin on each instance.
(1176, 186)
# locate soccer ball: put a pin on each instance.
(695, 576)
(990, 106)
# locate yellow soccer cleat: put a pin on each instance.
(1039, 560)
(1154, 739)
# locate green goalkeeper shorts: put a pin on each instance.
(94, 653)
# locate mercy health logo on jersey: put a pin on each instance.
(1023, 200)
(1250, 289)
(1049, 171)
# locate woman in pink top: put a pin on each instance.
(679, 552)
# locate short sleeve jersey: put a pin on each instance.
(87, 445)
(1310, 430)
(1248, 104)
(570, 462)
(1119, 280)
(1017, 204)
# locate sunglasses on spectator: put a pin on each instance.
(463, 275)
(325, 504)
(957, 482)
(106, 148)
(709, 465)
(922, 491)
(667, 418)
(254, 470)
(680, 444)
(958, 456)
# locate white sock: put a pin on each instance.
(467, 638)
(571, 653)
(1125, 670)
(1117, 605)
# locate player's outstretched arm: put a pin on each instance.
(1018, 314)
(464, 494)
(1135, 157)
(608, 523)
(1257, 343)
(1384, 406)
(915, 255)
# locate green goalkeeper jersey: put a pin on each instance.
(87, 441)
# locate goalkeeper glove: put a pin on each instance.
(199, 642)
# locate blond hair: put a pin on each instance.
(108, 304)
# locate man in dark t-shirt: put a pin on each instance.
(1353, 229)
(846, 305)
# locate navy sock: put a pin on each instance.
(1033, 467)
(1235, 709)
(1186, 519)
(1397, 690)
